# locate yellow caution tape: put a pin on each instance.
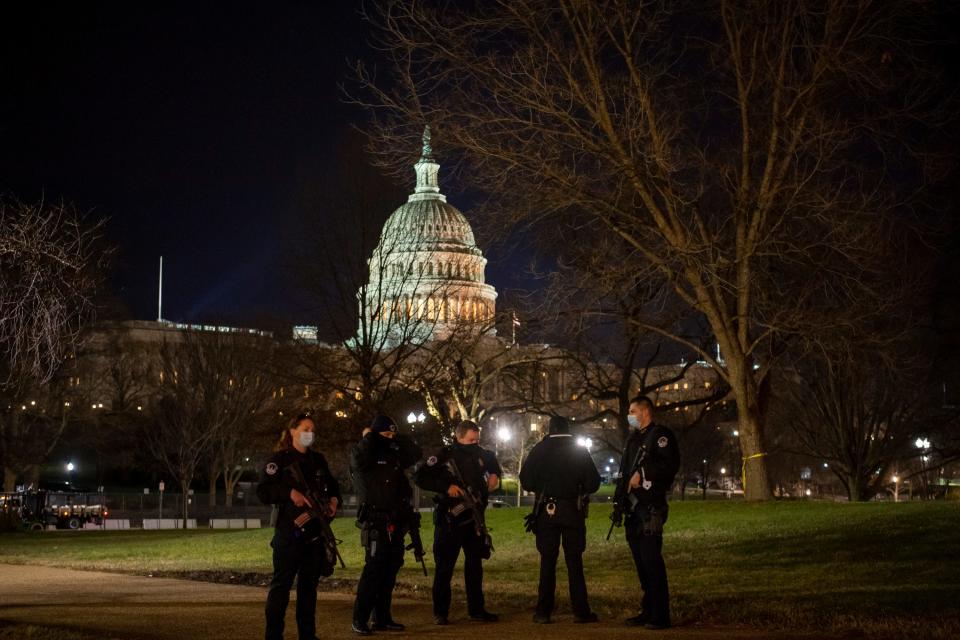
(743, 470)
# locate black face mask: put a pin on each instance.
(468, 448)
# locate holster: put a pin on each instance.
(652, 521)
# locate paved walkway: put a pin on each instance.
(142, 608)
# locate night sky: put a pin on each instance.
(194, 129)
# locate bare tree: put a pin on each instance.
(744, 151)
(49, 273)
(863, 418)
(210, 400)
(459, 376)
(30, 430)
(48, 276)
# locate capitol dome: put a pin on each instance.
(426, 273)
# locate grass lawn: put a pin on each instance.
(884, 569)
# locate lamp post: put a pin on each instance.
(896, 488)
(412, 420)
(924, 445)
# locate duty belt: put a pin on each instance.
(550, 504)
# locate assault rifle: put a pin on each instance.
(474, 504)
(313, 522)
(616, 516)
(416, 543)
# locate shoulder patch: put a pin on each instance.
(662, 442)
(271, 468)
(432, 460)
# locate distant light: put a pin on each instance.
(736, 433)
(807, 492)
(139, 408)
(610, 460)
(504, 434)
(723, 470)
(607, 468)
(246, 459)
(66, 404)
(896, 478)
(33, 403)
(421, 417)
(411, 417)
(922, 443)
(100, 405)
(70, 466)
(826, 466)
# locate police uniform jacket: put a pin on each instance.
(276, 481)
(474, 463)
(659, 466)
(377, 465)
(558, 468)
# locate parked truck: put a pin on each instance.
(35, 510)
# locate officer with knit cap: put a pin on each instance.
(377, 465)
(563, 475)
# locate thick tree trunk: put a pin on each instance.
(212, 494)
(756, 481)
(229, 484)
(9, 480)
(746, 392)
(185, 490)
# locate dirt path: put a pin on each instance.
(141, 608)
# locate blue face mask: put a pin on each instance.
(306, 438)
(633, 421)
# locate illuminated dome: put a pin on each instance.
(426, 273)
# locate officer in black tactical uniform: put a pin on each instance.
(457, 525)
(563, 475)
(295, 552)
(650, 461)
(377, 466)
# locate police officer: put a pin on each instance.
(377, 466)
(294, 555)
(459, 474)
(650, 461)
(562, 475)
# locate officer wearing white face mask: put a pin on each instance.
(649, 464)
(295, 554)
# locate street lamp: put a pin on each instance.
(413, 418)
(504, 434)
(896, 488)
